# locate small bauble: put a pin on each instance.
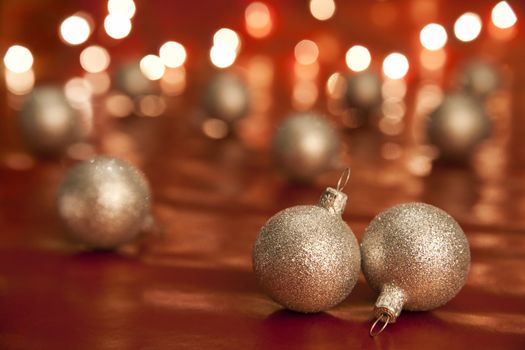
(306, 258)
(305, 145)
(130, 80)
(363, 90)
(480, 78)
(48, 122)
(226, 97)
(458, 126)
(104, 202)
(416, 257)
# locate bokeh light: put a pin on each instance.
(227, 38)
(173, 82)
(215, 128)
(99, 82)
(152, 67)
(258, 20)
(395, 65)
(306, 52)
(172, 54)
(152, 105)
(117, 26)
(433, 36)
(78, 91)
(222, 56)
(322, 9)
(18, 59)
(75, 30)
(19, 83)
(94, 59)
(358, 58)
(119, 105)
(433, 60)
(467, 27)
(124, 8)
(503, 16)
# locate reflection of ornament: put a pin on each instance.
(480, 78)
(458, 126)
(305, 145)
(416, 256)
(48, 122)
(363, 90)
(104, 202)
(306, 257)
(226, 97)
(130, 80)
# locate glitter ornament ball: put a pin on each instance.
(48, 123)
(306, 257)
(363, 90)
(130, 80)
(226, 97)
(104, 202)
(458, 126)
(305, 145)
(480, 78)
(416, 257)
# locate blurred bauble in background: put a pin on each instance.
(48, 122)
(480, 78)
(306, 145)
(226, 97)
(104, 202)
(363, 90)
(130, 80)
(458, 126)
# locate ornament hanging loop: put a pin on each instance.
(385, 318)
(343, 179)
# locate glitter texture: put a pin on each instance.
(306, 257)
(415, 255)
(104, 202)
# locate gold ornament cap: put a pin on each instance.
(389, 303)
(333, 200)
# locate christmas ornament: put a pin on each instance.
(306, 257)
(363, 90)
(104, 202)
(458, 126)
(48, 123)
(480, 78)
(226, 97)
(416, 256)
(130, 80)
(305, 145)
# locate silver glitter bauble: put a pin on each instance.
(416, 256)
(305, 145)
(104, 202)
(226, 97)
(48, 122)
(306, 257)
(480, 78)
(363, 90)
(458, 126)
(130, 80)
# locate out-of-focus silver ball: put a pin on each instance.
(458, 126)
(48, 122)
(305, 145)
(104, 202)
(130, 80)
(480, 78)
(416, 256)
(363, 90)
(226, 97)
(306, 258)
